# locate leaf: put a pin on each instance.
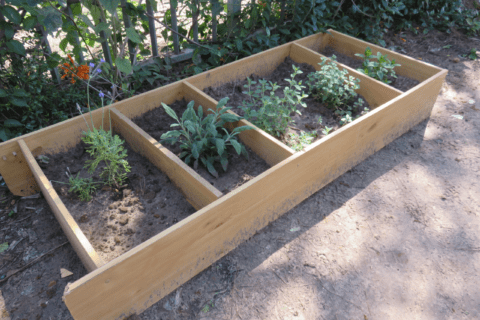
(133, 35)
(9, 32)
(220, 146)
(222, 103)
(87, 21)
(236, 145)
(110, 5)
(63, 44)
(242, 128)
(50, 18)
(224, 163)
(63, 3)
(123, 65)
(195, 152)
(3, 135)
(3, 247)
(3, 93)
(16, 47)
(12, 123)
(239, 44)
(11, 14)
(211, 169)
(170, 111)
(19, 102)
(102, 26)
(228, 117)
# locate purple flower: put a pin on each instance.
(102, 61)
(91, 65)
(99, 70)
(101, 95)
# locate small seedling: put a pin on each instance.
(11, 213)
(43, 159)
(473, 54)
(269, 111)
(298, 142)
(203, 139)
(83, 187)
(380, 69)
(327, 130)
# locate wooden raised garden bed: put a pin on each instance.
(138, 278)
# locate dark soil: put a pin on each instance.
(240, 170)
(307, 121)
(116, 220)
(401, 83)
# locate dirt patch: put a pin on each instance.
(400, 82)
(307, 121)
(116, 220)
(240, 170)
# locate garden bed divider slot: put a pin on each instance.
(198, 191)
(87, 254)
(264, 145)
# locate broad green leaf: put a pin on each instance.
(29, 22)
(220, 146)
(236, 145)
(123, 65)
(110, 5)
(3, 134)
(19, 93)
(170, 111)
(102, 26)
(11, 14)
(211, 169)
(87, 21)
(19, 102)
(12, 123)
(9, 32)
(3, 93)
(239, 44)
(63, 44)
(133, 35)
(224, 163)
(50, 18)
(16, 47)
(195, 152)
(63, 3)
(222, 103)
(228, 117)
(242, 128)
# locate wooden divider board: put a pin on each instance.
(91, 260)
(264, 145)
(198, 191)
(348, 45)
(136, 280)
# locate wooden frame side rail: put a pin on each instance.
(91, 260)
(133, 282)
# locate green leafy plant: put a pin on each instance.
(299, 141)
(473, 54)
(380, 69)
(331, 85)
(346, 115)
(326, 130)
(83, 187)
(203, 139)
(270, 111)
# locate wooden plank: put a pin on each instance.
(90, 259)
(410, 67)
(316, 42)
(267, 147)
(198, 191)
(260, 64)
(145, 274)
(375, 92)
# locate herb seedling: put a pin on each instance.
(473, 54)
(331, 85)
(327, 130)
(269, 111)
(380, 69)
(83, 187)
(203, 139)
(299, 141)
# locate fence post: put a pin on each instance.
(75, 34)
(151, 26)
(195, 20)
(234, 7)
(126, 21)
(214, 19)
(173, 13)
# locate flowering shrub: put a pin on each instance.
(81, 71)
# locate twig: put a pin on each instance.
(279, 277)
(361, 10)
(33, 262)
(321, 283)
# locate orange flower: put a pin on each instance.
(81, 72)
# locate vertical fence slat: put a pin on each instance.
(195, 20)
(173, 13)
(126, 21)
(75, 35)
(214, 19)
(151, 26)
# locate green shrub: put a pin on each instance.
(203, 139)
(380, 69)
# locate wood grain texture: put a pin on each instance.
(198, 191)
(264, 145)
(89, 257)
(144, 275)
(375, 92)
(410, 67)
